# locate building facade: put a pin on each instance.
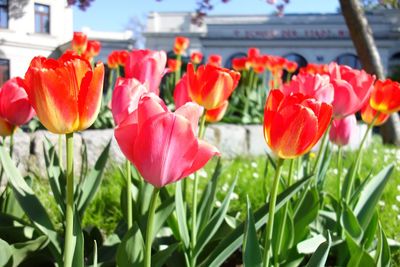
(306, 38)
(30, 28)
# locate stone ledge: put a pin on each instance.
(231, 140)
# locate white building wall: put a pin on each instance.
(19, 43)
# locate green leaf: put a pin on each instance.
(208, 198)
(370, 195)
(326, 160)
(214, 223)
(55, 175)
(181, 215)
(310, 245)
(369, 233)
(228, 245)
(90, 185)
(6, 258)
(350, 224)
(251, 248)
(306, 212)
(318, 259)
(382, 256)
(358, 256)
(21, 251)
(158, 259)
(346, 181)
(79, 255)
(131, 250)
(29, 202)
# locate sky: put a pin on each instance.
(114, 15)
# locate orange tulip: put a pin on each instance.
(196, 57)
(291, 66)
(215, 115)
(385, 96)
(174, 65)
(215, 60)
(210, 86)
(65, 93)
(181, 44)
(368, 114)
(293, 124)
(117, 58)
(79, 42)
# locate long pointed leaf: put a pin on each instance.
(318, 259)
(251, 248)
(181, 215)
(29, 202)
(232, 241)
(370, 196)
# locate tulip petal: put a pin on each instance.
(167, 148)
(89, 99)
(204, 153)
(149, 106)
(192, 112)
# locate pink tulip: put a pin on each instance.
(342, 129)
(15, 107)
(314, 85)
(352, 89)
(181, 92)
(163, 145)
(147, 66)
(125, 98)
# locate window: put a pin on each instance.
(42, 18)
(349, 60)
(4, 71)
(4, 14)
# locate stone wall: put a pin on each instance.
(232, 141)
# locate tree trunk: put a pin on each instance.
(363, 40)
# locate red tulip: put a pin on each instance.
(92, 49)
(293, 124)
(163, 145)
(125, 98)
(210, 86)
(313, 85)
(117, 58)
(147, 67)
(239, 63)
(253, 52)
(65, 93)
(181, 44)
(215, 60)
(181, 92)
(215, 115)
(196, 57)
(314, 69)
(174, 65)
(15, 107)
(291, 66)
(352, 89)
(342, 129)
(368, 114)
(385, 96)
(79, 42)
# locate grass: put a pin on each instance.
(105, 212)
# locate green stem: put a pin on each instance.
(194, 198)
(11, 144)
(60, 151)
(358, 157)
(321, 152)
(285, 211)
(339, 167)
(271, 213)
(69, 245)
(150, 226)
(128, 194)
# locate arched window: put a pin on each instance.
(349, 60)
(228, 62)
(299, 59)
